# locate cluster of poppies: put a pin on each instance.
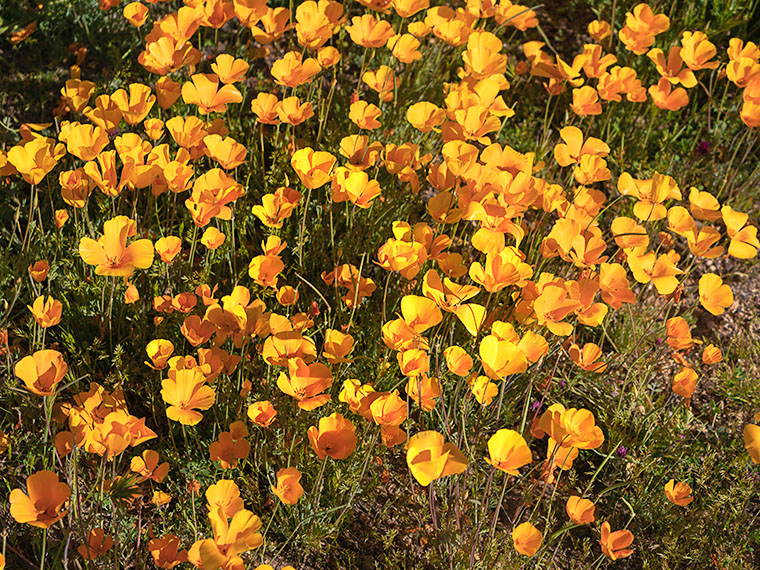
(513, 261)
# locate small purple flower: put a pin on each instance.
(536, 405)
(703, 148)
(622, 451)
(562, 383)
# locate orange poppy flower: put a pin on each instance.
(586, 101)
(571, 427)
(313, 25)
(714, 295)
(136, 14)
(574, 147)
(458, 360)
(744, 243)
(39, 270)
(580, 511)
(429, 458)
(165, 54)
(382, 80)
(292, 71)
(166, 551)
(356, 187)
(685, 382)
(305, 382)
(292, 112)
(226, 151)
(333, 438)
(365, 115)
(527, 539)
(587, 357)
(348, 276)
(277, 207)
(203, 90)
(711, 354)
(404, 47)
(249, 12)
(360, 152)
(187, 132)
(212, 238)
(501, 270)
(752, 441)
(212, 192)
(484, 390)
(76, 93)
(672, 68)
(264, 269)
(413, 362)
(136, 105)
(228, 451)
(703, 205)
(160, 498)
(229, 69)
(369, 32)
(272, 25)
(264, 106)
(501, 358)
(154, 128)
(697, 51)
(288, 488)
(665, 97)
(41, 507)
(337, 346)
(447, 294)
(42, 371)
(678, 334)
(358, 396)
(168, 247)
(420, 313)
(641, 27)
(98, 543)
(148, 466)
(262, 413)
(660, 270)
(187, 393)
(159, 351)
(47, 312)
(167, 92)
(423, 391)
(508, 451)
(110, 253)
(388, 409)
(35, 158)
(328, 56)
(86, 141)
(224, 496)
(678, 493)
(232, 536)
(425, 116)
(61, 217)
(312, 167)
(599, 30)
(615, 544)
(408, 8)
(118, 431)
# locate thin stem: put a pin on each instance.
(44, 549)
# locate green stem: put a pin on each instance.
(44, 549)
